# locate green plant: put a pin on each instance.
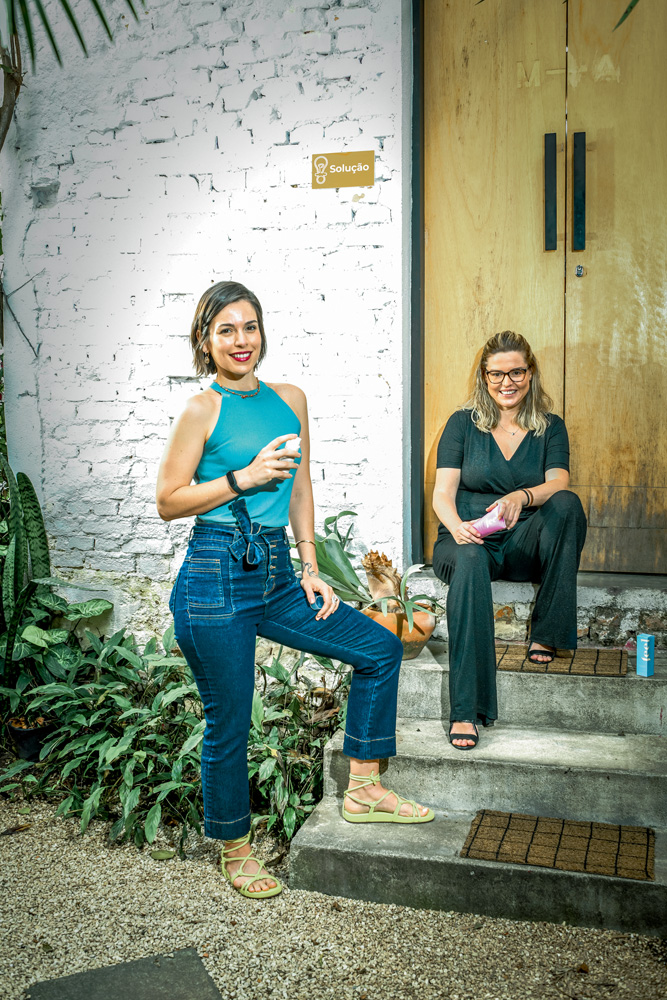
(334, 564)
(401, 602)
(384, 588)
(19, 17)
(34, 646)
(285, 764)
(129, 729)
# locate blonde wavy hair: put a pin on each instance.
(535, 405)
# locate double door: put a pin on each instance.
(546, 213)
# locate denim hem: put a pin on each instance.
(227, 830)
(369, 749)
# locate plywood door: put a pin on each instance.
(494, 84)
(616, 348)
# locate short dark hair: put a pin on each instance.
(210, 304)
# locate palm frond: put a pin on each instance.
(21, 16)
(626, 13)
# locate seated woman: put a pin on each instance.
(504, 449)
(238, 441)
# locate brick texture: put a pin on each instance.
(177, 157)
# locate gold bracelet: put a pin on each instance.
(308, 541)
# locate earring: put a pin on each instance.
(207, 357)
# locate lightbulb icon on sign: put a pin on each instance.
(321, 164)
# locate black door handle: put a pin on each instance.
(550, 196)
(579, 191)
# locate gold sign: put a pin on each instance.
(337, 170)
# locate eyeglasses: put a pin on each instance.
(516, 375)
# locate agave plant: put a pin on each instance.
(385, 588)
(334, 563)
(389, 590)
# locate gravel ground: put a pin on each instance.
(71, 903)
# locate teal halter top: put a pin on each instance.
(244, 426)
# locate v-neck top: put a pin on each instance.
(486, 475)
(244, 426)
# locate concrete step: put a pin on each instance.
(420, 866)
(545, 772)
(629, 704)
(611, 607)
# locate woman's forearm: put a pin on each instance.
(196, 499)
(302, 523)
(445, 509)
(545, 490)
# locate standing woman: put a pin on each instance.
(504, 449)
(238, 441)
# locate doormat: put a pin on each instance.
(569, 845)
(601, 662)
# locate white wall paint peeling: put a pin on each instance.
(181, 156)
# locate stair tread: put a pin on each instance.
(435, 656)
(438, 841)
(503, 744)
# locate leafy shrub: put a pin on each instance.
(285, 765)
(128, 741)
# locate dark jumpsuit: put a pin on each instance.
(543, 547)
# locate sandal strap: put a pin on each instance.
(365, 802)
(240, 871)
(534, 651)
(253, 877)
(400, 801)
(365, 779)
(233, 845)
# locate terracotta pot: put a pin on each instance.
(28, 739)
(397, 622)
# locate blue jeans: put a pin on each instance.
(233, 586)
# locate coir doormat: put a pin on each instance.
(602, 662)
(569, 845)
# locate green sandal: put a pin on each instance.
(225, 859)
(375, 815)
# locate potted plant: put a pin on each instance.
(28, 736)
(412, 619)
(384, 597)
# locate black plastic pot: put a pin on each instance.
(29, 742)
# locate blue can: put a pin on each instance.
(645, 655)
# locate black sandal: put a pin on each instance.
(532, 653)
(463, 736)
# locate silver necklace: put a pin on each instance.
(511, 433)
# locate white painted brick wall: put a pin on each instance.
(181, 156)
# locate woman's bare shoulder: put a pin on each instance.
(292, 394)
(200, 408)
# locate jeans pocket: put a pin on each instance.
(208, 590)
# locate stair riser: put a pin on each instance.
(538, 789)
(497, 890)
(583, 704)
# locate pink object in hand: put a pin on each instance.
(489, 523)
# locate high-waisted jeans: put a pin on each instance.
(221, 601)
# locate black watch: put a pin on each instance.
(231, 479)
